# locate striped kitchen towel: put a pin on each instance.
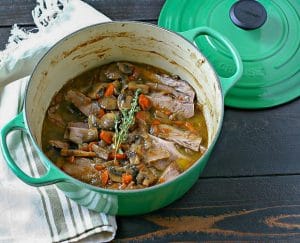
(44, 214)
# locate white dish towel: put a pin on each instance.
(44, 214)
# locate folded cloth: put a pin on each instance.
(44, 214)
(54, 20)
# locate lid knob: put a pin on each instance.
(248, 14)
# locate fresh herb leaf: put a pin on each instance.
(124, 121)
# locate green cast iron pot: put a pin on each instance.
(114, 41)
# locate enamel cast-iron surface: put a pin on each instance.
(266, 33)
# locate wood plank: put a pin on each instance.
(19, 11)
(223, 209)
(4, 34)
(130, 9)
(258, 142)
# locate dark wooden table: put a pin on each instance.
(250, 189)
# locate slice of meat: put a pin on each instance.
(171, 172)
(161, 101)
(59, 144)
(82, 102)
(166, 89)
(134, 86)
(166, 145)
(77, 98)
(83, 170)
(175, 82)
(161, 88)
(183, 138)
(78, 134)
(160, 165)
(154, 154)
(82, 135)
(101, 152)
(78, 124)
(55, 117)
(77, 153)
(180, 85)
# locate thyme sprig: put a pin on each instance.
(124, 121)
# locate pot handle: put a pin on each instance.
(226, 83)
(52, 175)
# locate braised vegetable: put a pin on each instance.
(109, 90)
(124, 126)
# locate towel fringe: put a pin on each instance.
(44, 15)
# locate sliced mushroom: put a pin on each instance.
(113, 72)
(146, 177)
(124, 101)
(133, 158)
(108, 103)
(107, 121)
(115, 173)
(97, 90)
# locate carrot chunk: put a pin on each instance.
(114, 155)
(99, 167)
(106, 136)
(143, 115)
(155, 122)
(144, 102)
(120, 156)
(104, 177)
(109, 90)
(101, 113)
(126, 178)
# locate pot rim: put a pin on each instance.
(77, 182)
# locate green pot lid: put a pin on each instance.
(266, 33)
